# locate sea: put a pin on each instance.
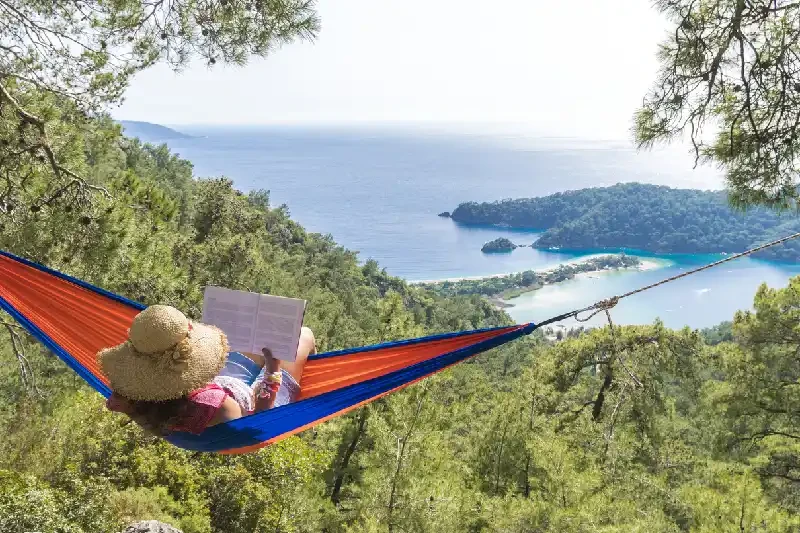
(378, 189)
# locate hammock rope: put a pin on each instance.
(605, 306)
(610, 303)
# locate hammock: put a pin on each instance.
(75, 320)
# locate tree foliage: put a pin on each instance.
(730, 82)
(87, 50)
(63, 62)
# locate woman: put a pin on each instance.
(173, 374)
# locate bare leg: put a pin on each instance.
(306, 346)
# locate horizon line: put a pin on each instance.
(519, 127)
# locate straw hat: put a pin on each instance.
(165, 357)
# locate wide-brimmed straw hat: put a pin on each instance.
(165, 357)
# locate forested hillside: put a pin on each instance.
(639, 216)
(639, 429)
(648, 429)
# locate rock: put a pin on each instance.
(445, 214)
(498, 245)
(150, 526)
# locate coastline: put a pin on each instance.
(503, 301)
(647, 263)
(501, 289)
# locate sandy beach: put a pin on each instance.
(648, 263)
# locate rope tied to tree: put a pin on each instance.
(605, 306)
(599, 307)
(609, 303)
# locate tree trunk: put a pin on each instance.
(499, 459)
(601, 396)
(527, 489)
(341, 471)
(400, 458)
(527, 485)
(278, 523)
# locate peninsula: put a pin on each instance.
(635, 216)
(505, 287)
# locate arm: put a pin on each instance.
(229, 410)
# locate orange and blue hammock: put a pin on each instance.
(76, 320)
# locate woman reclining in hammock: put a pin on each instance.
(173, 374)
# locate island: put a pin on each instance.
(505, 287)
(636, 216)
(149, 132)
(501, 245)
(445, 214)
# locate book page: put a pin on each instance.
(278, 326)
(234, 312)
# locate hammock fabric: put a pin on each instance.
(76, 320)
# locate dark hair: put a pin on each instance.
(157, 418)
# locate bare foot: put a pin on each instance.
(271, 364)
(265, 398)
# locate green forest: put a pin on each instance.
(614, 430)
(644, 217)
(643, 429)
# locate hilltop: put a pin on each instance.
(149, 132)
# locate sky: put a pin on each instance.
(573, 68)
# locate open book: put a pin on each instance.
(255, 321)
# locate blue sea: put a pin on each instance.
(378, 190)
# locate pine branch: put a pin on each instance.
(18, 348)
(44, 145)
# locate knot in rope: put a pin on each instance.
(599, 307)
(609, 303)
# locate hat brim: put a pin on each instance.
(156, 377)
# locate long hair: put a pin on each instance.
(157, 418)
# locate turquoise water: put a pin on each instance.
(378, 191)
(700, 300)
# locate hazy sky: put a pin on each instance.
(563, 68)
